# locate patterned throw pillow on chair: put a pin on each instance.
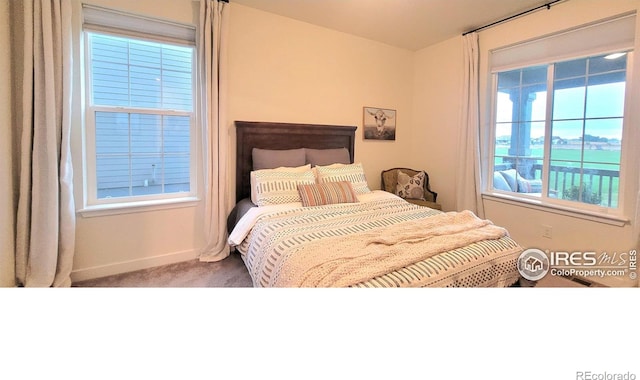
(411, 187)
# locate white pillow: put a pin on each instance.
(315, 170)
(279, 185)
(353, 173)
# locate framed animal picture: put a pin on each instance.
(379, 123)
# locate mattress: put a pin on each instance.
(381, 241)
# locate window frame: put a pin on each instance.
(99, 206)
(599, 213)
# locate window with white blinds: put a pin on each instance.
(139, 116)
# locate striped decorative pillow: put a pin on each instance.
(273, 186)
(327, 193)
(353, 173)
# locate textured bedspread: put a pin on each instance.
(383, 241)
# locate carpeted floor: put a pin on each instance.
(228, 273)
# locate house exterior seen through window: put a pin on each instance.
(558, 130)
(140, 116)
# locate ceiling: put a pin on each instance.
(409, 24)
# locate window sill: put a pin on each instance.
(140, 206)
(614, 220)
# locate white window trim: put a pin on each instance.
(138, 206)
(628, 176)
(90, 183)
(535, 203)
(134, 29)
(607, 215)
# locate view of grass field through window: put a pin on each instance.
(584, 133)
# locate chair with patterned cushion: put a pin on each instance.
(413, 187)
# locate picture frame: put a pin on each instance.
(379, 123)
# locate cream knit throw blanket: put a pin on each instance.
(340, 261)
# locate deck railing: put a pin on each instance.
(600, 185)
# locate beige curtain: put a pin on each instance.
(45, 221)
(7, 191)
(212, 58)
(468, 179)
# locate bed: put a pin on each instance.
(310, 220)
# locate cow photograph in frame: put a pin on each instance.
(379, 123)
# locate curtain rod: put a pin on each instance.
(547, 5)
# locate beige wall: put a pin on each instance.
(437, 62)
(7, 264)
(279, 70)
(290, 71)
(436, 88)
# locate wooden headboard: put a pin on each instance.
(267, 135)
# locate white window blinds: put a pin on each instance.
(103, 19)
(611, 35)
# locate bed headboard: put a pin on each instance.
(267, 135)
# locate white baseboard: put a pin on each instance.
(90, 273)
